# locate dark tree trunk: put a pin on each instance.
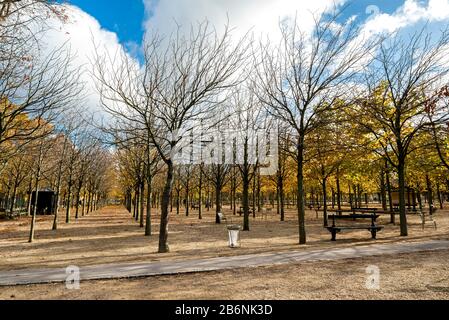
(245, 198)
(333, 197)
(259, 187)
(89, 195)
(418, 195)
(78, 198)
(338, 190)
(163, 230)
(390, 198)
(281, 197)
(84, 203)
(69, 199)
(429, 194)
(324, 184)
(187, 197)
(234, 192)
(254, 193)
(402, 212)
(440, 198)
(136, 204)
(200, 195)
(383, 192)
(30, 186)
(300, 192)
(148, 218)
(142, 203)
(217, 201)
(36, 190)
(13, 200)
(177, 201)
(33, 218)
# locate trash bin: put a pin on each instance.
(234, 236)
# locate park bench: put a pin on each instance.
(240, 211)
(316, 208)
(195, 207)
(373, 228)
(17, 212)
(427, 218)
(265, 212)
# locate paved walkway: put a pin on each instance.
(129, 270)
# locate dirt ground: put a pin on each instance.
(112, 236)
(422, 276)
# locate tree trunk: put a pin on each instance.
(245, 198)
(245, 194)
(278, 199)
(84, 203)
(69, 199)
(338, 190)
(78, 198)
(383, 192)
(217, 201)
(333, 197)
(259, 187)
(234, 191)
(390, 198)
(281, 197)
(402, 213)
(33, 218)
(429, 194)
(137, 202)
(13, 200)
(324, 202)
(187, 198)
(142, 203)
(163, 230)
(69, 194)
(300, 192)
(148, 218)
(254, 193)
(36, 190)
(440, 198)
(200, 194)
(30, 186)
(88, 203)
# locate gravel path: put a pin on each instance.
(130, 270)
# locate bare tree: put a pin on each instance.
(401, 81)
(183, 79)
(304, 75)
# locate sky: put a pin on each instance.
(125, 18)
(120, 26)
(130, 19)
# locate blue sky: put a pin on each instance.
(359, 7)
(127, 21)
(126, 18)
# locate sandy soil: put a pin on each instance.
(423, 275)
(111, 235)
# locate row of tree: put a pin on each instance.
(47, 141)
(345, 102)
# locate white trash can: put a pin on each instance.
(234, 236)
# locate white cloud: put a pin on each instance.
(261, 16)
(81, 32)
(410, 13)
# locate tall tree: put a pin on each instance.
(401, 81)
(181, 83)
(304, 75)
